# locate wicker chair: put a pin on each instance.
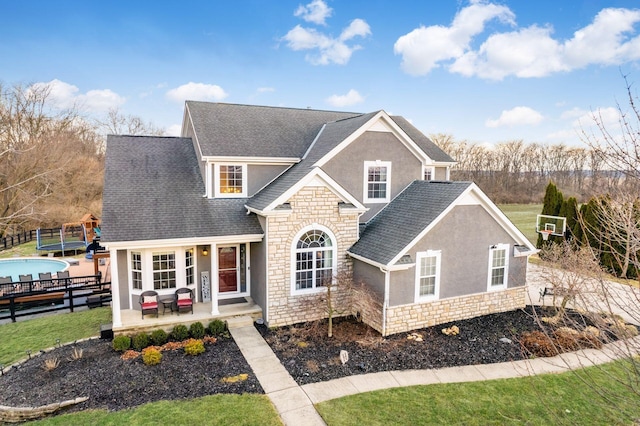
(149, 303)
(184, 300)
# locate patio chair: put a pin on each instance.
(63, 278)
(5, 288)
(25, 278)
(149, 302)
(45, 281)
(184, 299)
(6, 280)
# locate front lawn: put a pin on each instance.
(41, 333)
(594, 396)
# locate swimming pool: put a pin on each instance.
(21, 266)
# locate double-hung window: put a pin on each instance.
(230, 180)
(164, 270)
(377, 181)
(428, 275)
(136, 270)
(498, 266)
(189, 267)
(428, 173)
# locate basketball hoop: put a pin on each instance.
(545, 234)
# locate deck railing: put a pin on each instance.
(22, 298)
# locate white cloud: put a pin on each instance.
(518, 116)
(65, 95)
(423, 48)
(609, 117)
(266, 90)
(317, 12)
(197, 92)
(351, 98)
(327, 49)
(174, 130)
(524, 52)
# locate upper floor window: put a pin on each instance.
(377, 181)
(429, 173)
(230, 180)
(498, 266)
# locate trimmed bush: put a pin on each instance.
(140, 341)
(217, 327)
(194, 347)
(151, 355)
(121, 343)
(538, 344)
(180, 332)
(159, 337)
(196, 330)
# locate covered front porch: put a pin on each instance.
(228, 310)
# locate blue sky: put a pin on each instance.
(484, 71)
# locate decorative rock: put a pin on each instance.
(23, 414)
(505, 340)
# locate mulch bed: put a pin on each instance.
(113, 383)
(310, 356)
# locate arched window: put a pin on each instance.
(314, 260)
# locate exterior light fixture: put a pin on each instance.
(205, 252)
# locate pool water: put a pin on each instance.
(15, 267)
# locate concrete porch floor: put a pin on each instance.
(133, 322)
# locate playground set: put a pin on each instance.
(73, 236)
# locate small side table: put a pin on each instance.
(167, 303)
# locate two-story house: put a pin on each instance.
(270, 204)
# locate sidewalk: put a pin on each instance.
(295, 403)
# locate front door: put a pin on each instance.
(228, 269)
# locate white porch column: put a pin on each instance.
(214, 280)
(115, 290)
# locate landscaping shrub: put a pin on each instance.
(196, 330)
(567, 341)
(537, 343)
(217, 327)
(159, 337)
(151, 355)
(180, 332)
(140, 341)
(121, 343)
(194, 347)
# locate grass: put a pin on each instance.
(539, 400)
(23, 250)
(211, 410)
(523, 217)
(41, 333)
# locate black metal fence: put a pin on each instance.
(19, 299)
(11, 241)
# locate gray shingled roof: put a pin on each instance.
(404, 218)
(153, 190)
(257, 131)
(426, 144)
(332, 134)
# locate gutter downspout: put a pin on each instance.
(385, 303)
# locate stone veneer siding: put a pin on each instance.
(414, 316)
(311, 205)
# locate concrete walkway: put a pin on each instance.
(295, 403)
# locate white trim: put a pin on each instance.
(492, 250)
(475, 193)
(183, 242)
(216, 180)
(265, 161)
(213, 277)
(331, 184)
(424, 255)
(265, 308)
(115, 290)
(399, 267)
(365, 189)
(385, 302)
(209, 176)
(293, 251)
(238, 292)
(146, 258)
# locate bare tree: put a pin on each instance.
(118, 123)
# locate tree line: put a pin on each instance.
(52, 159)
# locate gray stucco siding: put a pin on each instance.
(440, 173)
(258, 274)
(260, 175)
(123, 279)
(464, 238)
(369, 275)
(347, 168)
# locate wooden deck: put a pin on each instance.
(133, 322)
